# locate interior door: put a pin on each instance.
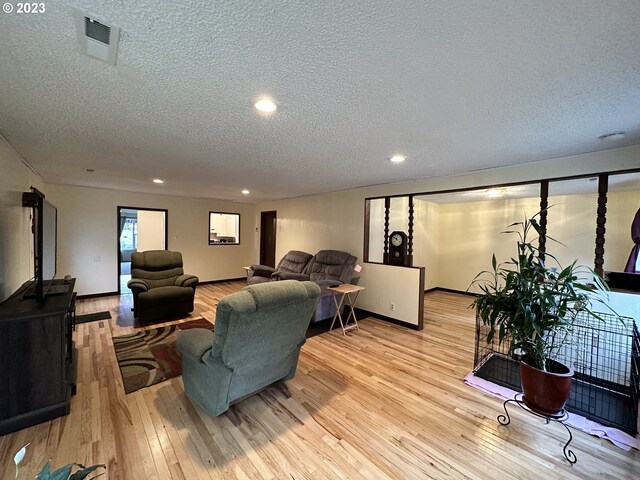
(139, 229)
(268, 238)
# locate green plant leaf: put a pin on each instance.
(530, 302)
(85, 471)
(62, 473)
(45, 472)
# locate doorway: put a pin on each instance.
(268, 238)
(139, 229)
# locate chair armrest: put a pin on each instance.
(195, 342)
(323, 284)
(187, 281)
(138, 284)
(261, 270)
(290, 276)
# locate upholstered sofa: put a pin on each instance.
(258, 335)
(327, 268)
(294, 261)
(159, 286)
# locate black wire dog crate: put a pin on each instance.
(605, 356)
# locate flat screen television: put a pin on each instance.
(45, 238)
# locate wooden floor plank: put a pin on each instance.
(384, 402)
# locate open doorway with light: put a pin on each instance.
(139, 229)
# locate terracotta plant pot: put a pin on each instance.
(546, 392)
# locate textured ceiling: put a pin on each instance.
(455, 86)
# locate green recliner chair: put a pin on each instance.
(258, 335)
(160, 288)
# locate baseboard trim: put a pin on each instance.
(384, 318)
(97, 295)
(451, 290)
(211, 282)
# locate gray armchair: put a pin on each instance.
(294, 262)
(258, 335)
(159, 286)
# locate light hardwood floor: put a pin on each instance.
(385, 402)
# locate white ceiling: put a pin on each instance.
(455, 86)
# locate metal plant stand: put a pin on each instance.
(560, 418)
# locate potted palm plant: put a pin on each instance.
(533, 306)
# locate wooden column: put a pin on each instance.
(603, 187)
(544, 204)
(410, 236)
(387, 208)
(367, 227)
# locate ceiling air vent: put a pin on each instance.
(97, 39)
(96, 30)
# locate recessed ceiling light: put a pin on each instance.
(612, 136)
(397, 158)
(266, 105)
(157, 180)
(245, 192)
(496, 192)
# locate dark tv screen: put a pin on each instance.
(49, 242)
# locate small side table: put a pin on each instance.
(345, 291)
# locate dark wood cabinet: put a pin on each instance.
(37, 358)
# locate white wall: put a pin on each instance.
(426, 240)
(319, 222)
(87, 220)
(150, 230)
(376, 230)
(469, 233)
(386, 284)
(16, 240)
(335, 220)
(88, 225)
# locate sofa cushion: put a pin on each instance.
(294, 261)
(165, 295)
(331, 265)
(154, 260)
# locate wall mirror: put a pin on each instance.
(224, 228)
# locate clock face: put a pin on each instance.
(396, 240)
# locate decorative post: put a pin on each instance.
(603, 187)
(367, 226)
(544, 203)
(387, 208)
(410, 239)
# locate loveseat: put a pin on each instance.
(327, 268)
(294, 261)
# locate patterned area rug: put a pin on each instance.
(150, 356)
